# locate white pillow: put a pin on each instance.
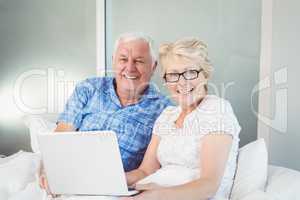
(283, 183)
(37, 125)
(31, 192)
(17, 172)
(252, 170)
(7, 159)
(258, 195)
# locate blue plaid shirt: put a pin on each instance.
(94, 105)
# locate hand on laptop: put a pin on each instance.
(149, 192)
(145, 195)
(44, 183)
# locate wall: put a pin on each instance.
(230, 28)
(45, 48)
(284, 133)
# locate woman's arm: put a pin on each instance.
(215, 149)
(149, 165)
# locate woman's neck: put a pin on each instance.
(188, 109)
(185, 111)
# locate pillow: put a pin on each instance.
(283, 183)
(7, 159)
(37, 125)
(252, 170)
(17, 172)
(258, 195)
(31, 192)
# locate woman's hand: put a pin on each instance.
(150, 192)
(146, 195)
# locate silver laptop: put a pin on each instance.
(84, 163)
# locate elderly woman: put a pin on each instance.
(193, 150)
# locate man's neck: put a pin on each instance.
(128, 97)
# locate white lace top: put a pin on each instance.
(179, 148)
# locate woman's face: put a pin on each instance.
(185, 92)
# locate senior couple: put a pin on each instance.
(197, 140)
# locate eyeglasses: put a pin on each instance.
(187, 75)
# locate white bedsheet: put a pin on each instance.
(18, 179)
(33, 192)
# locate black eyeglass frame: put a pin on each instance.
(182, 74)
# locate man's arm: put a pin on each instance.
(149, 164)
(61, 127)
(70, 119)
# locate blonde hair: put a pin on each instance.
(189, 48)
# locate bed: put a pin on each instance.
(255, 179)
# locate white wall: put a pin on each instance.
(284, 99)
(231, 29)
(45, 48)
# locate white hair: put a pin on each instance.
(126, 37)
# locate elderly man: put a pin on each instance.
(126, 104)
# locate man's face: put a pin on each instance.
(133, 66)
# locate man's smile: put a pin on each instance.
(131, 77)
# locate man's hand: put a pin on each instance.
(63, 127)
(43, 182)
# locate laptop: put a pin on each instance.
(84, 163)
